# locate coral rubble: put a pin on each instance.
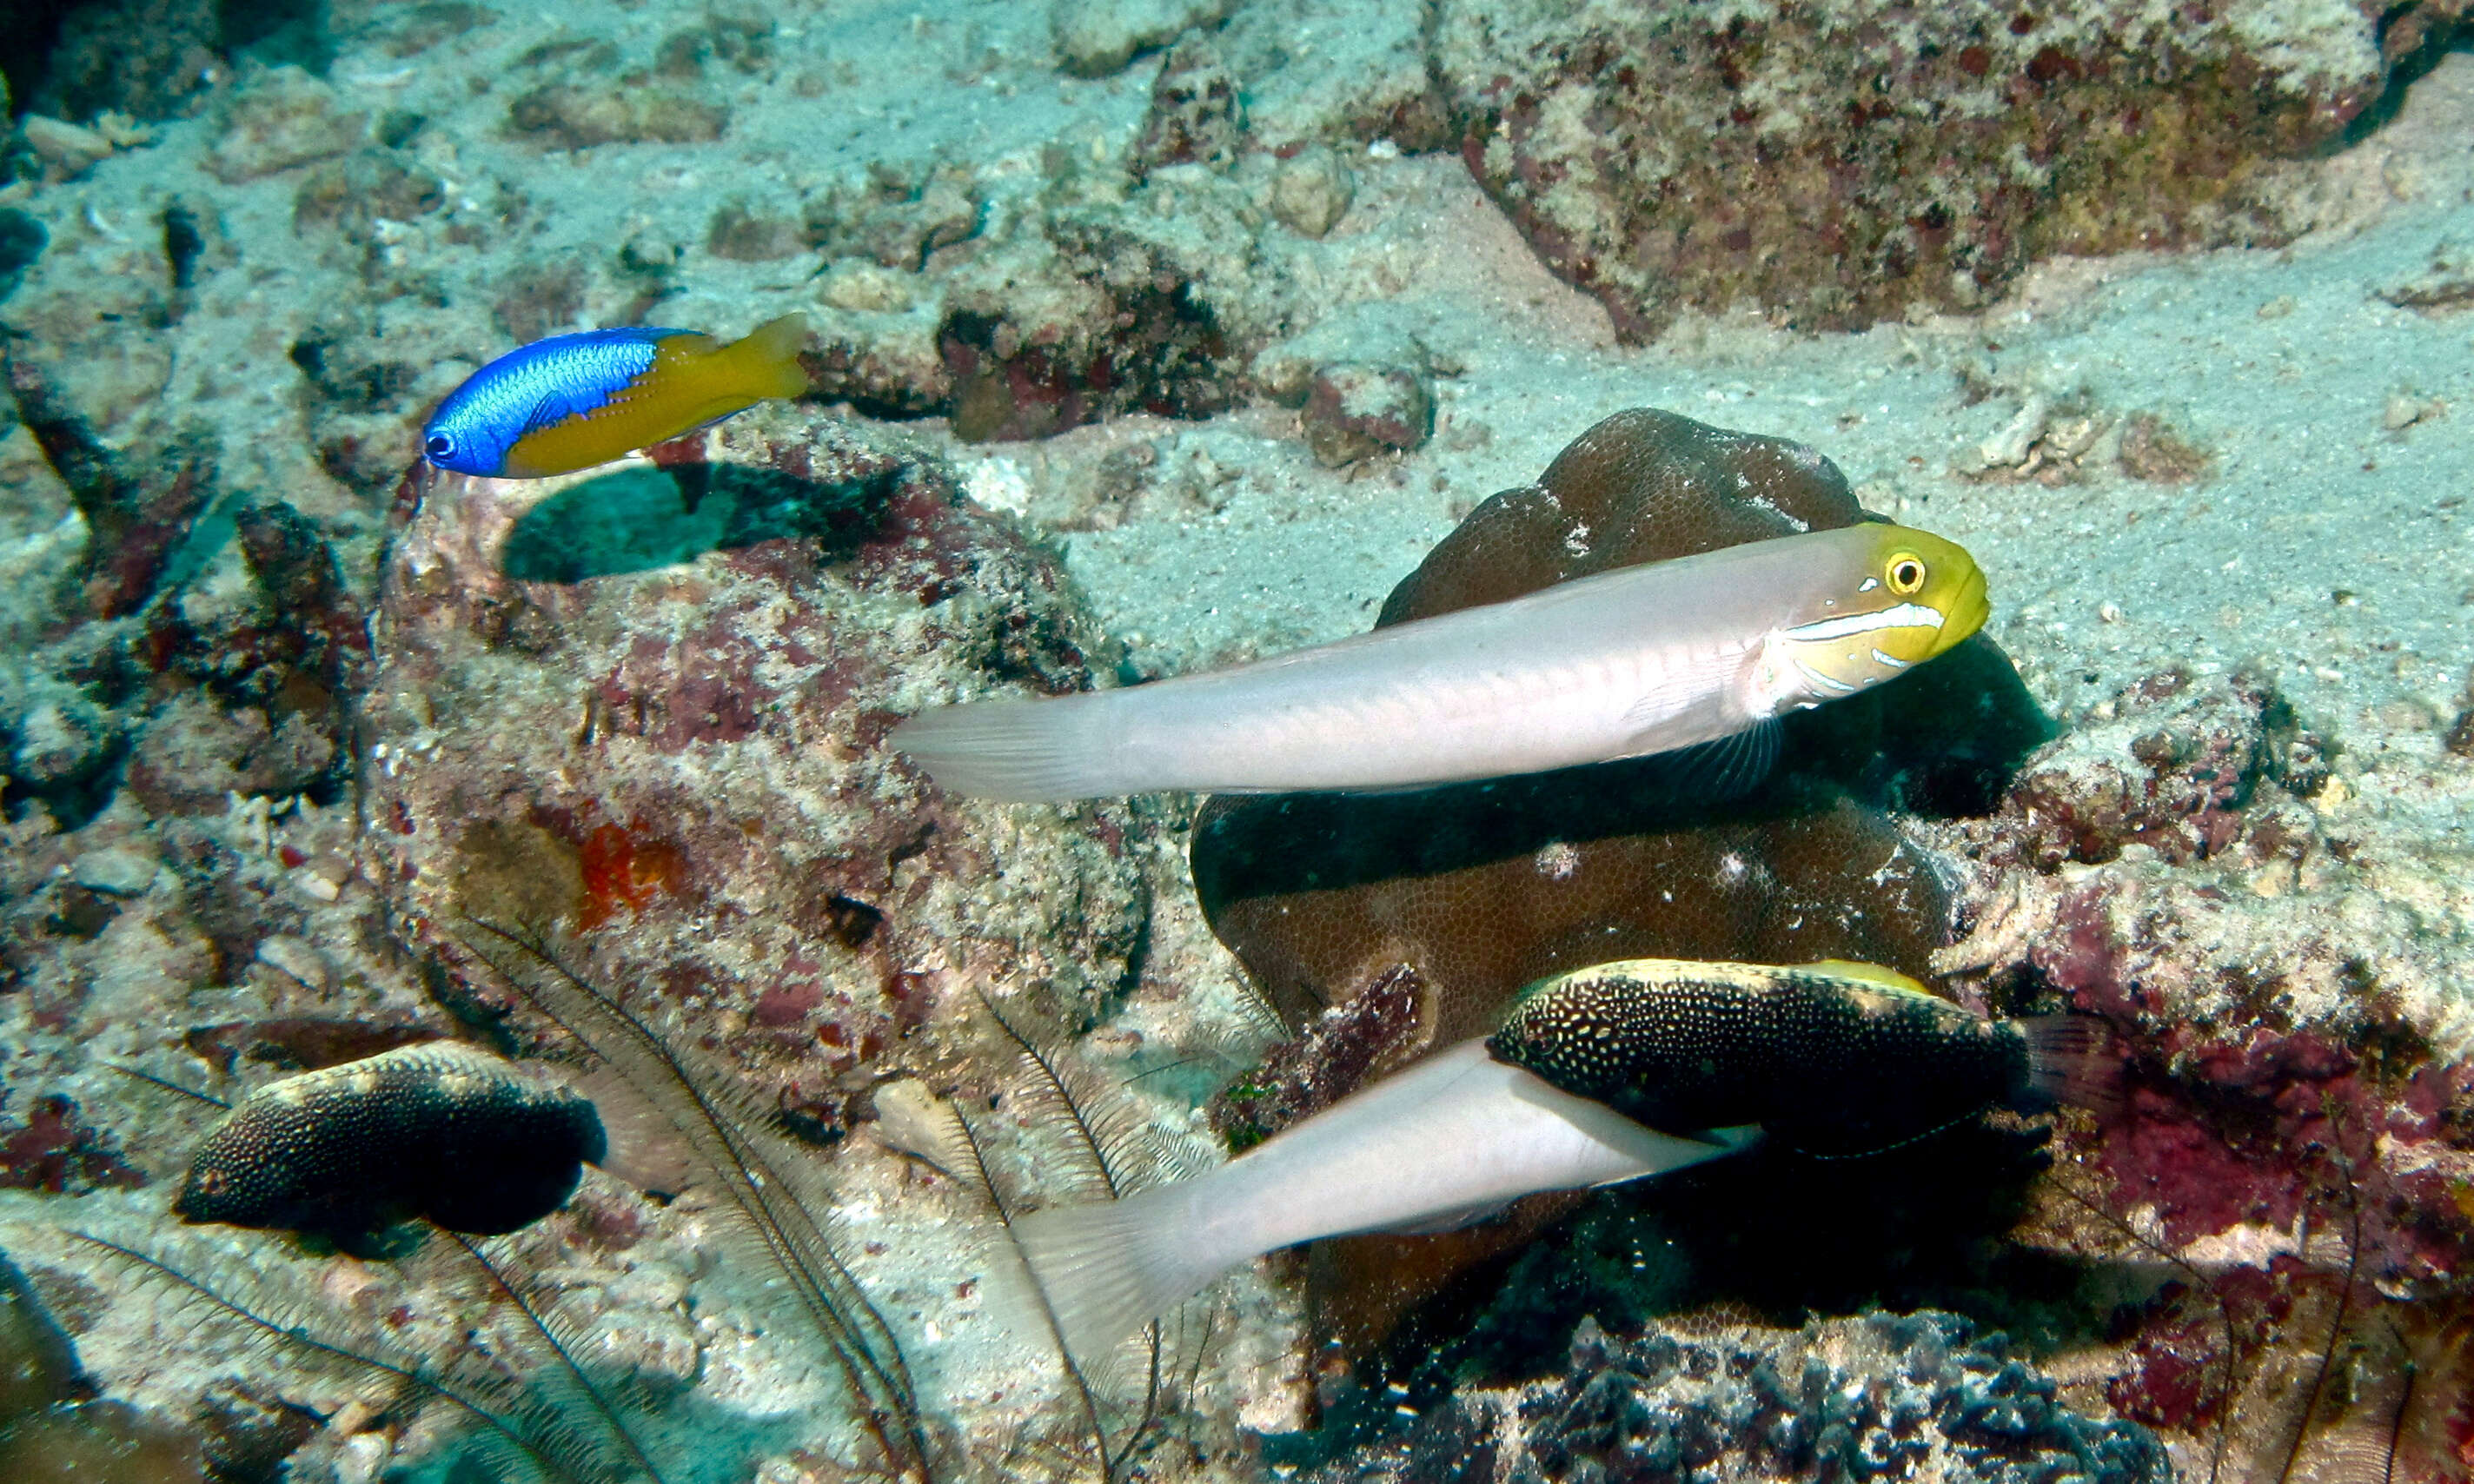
(1915, 1395)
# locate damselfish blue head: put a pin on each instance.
(463, 435)
(531, 388)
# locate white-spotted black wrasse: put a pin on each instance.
(446, 1132)
(1626, 664)
(572, 402)
(1832, 1058)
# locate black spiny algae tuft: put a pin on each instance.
(1832, 1058)
(442, 1132)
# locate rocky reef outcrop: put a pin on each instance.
(568, 728)
(1841, 164)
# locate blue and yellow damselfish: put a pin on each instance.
(572, 402)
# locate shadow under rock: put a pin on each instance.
(643, 517)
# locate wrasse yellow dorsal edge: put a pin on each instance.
(1870, 973)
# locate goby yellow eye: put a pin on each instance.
(1905, 574)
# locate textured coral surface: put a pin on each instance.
(793, 881)
(1917, 1395)
(1484, 887)
(1839, 163)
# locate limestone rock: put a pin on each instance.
(283, 119)
(660, 728)
(1311, 191)
(1338, 71)
(1842, 163)
(1096, 37)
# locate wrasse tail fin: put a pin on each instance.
(766, 362)
(1021, 751)
(1103, 1271)
(2071, 1059)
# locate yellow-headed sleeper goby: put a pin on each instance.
(1721, 1053)
(572, 402)
(1648, 659)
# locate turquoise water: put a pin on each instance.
(824, 1117)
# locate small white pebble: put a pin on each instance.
(2110, 612)
(115, 870)
(316, 886)
(361, 1456)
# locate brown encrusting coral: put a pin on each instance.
(1483, 888)
(1477, 890)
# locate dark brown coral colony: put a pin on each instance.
(1449, 900)
(1483, 888)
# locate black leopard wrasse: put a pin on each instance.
(1832, 1058)
(444, 1132)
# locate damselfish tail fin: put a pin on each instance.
(765, 363)
(1106, 1270)
(1024, 751)
(2073, 1059)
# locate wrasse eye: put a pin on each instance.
(439, 447)
(1905, 574)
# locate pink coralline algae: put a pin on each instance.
(55, 1150)
(660, 730)
(2297, 1145)
(2174, 769)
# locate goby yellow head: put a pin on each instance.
(1901, 597)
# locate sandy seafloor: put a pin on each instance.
(2330, 541)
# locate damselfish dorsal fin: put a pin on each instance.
(1872, 974)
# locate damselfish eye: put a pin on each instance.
(1905, 574)
(439, 447)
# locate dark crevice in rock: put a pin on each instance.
(2415, 37)
(139, 505)
(1164, 354)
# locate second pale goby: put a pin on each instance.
(1644, 660)
(1446, 1141)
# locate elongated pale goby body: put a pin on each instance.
(1625, 664)
(1451, 1137)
